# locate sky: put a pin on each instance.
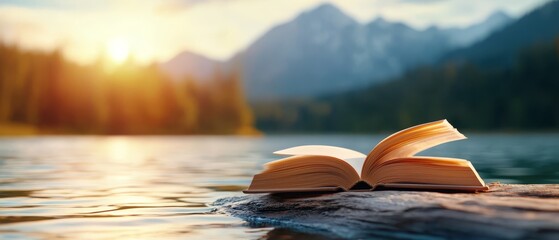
(157, 30)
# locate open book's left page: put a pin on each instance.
(352, 157)
(310, 171)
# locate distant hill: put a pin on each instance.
(187, 64)
(499, 49)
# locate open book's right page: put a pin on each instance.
(392, 161)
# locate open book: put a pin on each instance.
(391, 164)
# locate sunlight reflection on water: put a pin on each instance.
(162, 187)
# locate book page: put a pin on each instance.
(356, 163)
(410, 141)
(321, 150)
(353, 158)
(305, 172)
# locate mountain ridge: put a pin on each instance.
(499, 49)
(330, 51)
(520, 95)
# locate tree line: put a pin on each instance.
(521, 96)
(54, 95)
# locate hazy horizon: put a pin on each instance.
(157, 31)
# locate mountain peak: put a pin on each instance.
(379, 20)
(381, 23)
(187, 55)
(326, 12)
(499, 15)
(501, 47)
(461, 37)
(326, 8)
(189, 64)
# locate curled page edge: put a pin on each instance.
(321, 150)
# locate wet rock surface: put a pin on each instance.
(505, 212)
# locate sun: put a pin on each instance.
(118, 49)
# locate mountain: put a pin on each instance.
(313, 53)
(538, 26)
(188, 64)
(474, 94)
(324, 51)
(461, 37)
(520, 97)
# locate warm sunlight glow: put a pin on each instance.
(118, 49)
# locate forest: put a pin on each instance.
(521, 96)
(43, 93)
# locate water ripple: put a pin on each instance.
(162, 187)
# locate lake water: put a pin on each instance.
(162, 187)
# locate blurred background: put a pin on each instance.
(244, 67)
(97, 88)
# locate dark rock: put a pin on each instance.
(505, 212)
